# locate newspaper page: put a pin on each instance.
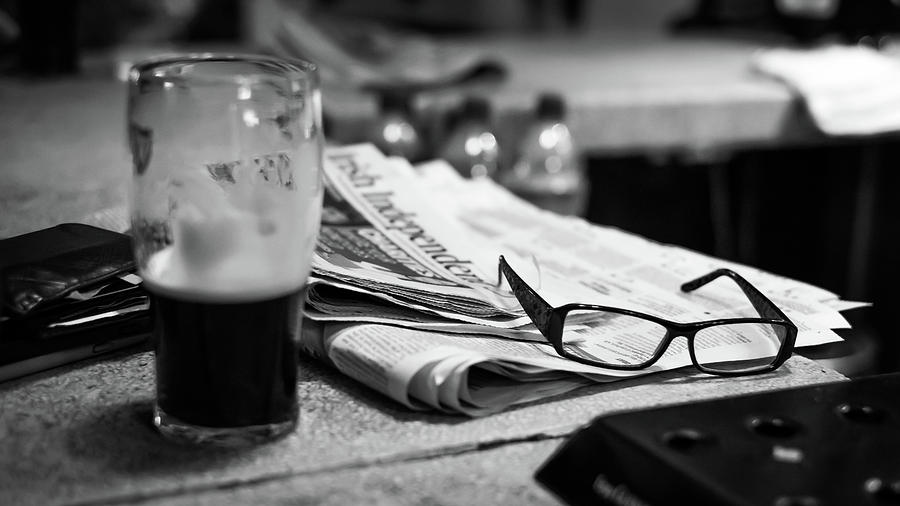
(382, 235)
(622, 267)
(567, 259)
(410, 302)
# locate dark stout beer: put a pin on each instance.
(229, 364)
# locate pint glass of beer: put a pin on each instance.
(225, 208)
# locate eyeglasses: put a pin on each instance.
(617, 338)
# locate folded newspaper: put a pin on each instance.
(407, 297)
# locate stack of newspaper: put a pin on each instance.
(408, 300)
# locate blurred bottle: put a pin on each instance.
(394, 132)
(471, 147)
(547, 171)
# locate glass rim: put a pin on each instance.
(293, 67)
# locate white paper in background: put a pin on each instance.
(849, 90)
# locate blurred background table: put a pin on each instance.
(63, 138)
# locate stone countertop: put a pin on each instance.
(83, 435)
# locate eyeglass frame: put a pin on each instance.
(549, 321)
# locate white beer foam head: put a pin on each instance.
(249, 245)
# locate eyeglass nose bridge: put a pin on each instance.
(685, 331)
(688, 332)
(675, 331)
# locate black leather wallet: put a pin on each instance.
(68, 292)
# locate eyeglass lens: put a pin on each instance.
(757, 343)
(609, 338)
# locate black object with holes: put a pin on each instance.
(832, 444)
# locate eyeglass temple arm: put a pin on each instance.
(538, 309)
(765, 307)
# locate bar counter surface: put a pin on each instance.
(82, 434)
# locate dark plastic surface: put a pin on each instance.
(835, 444)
